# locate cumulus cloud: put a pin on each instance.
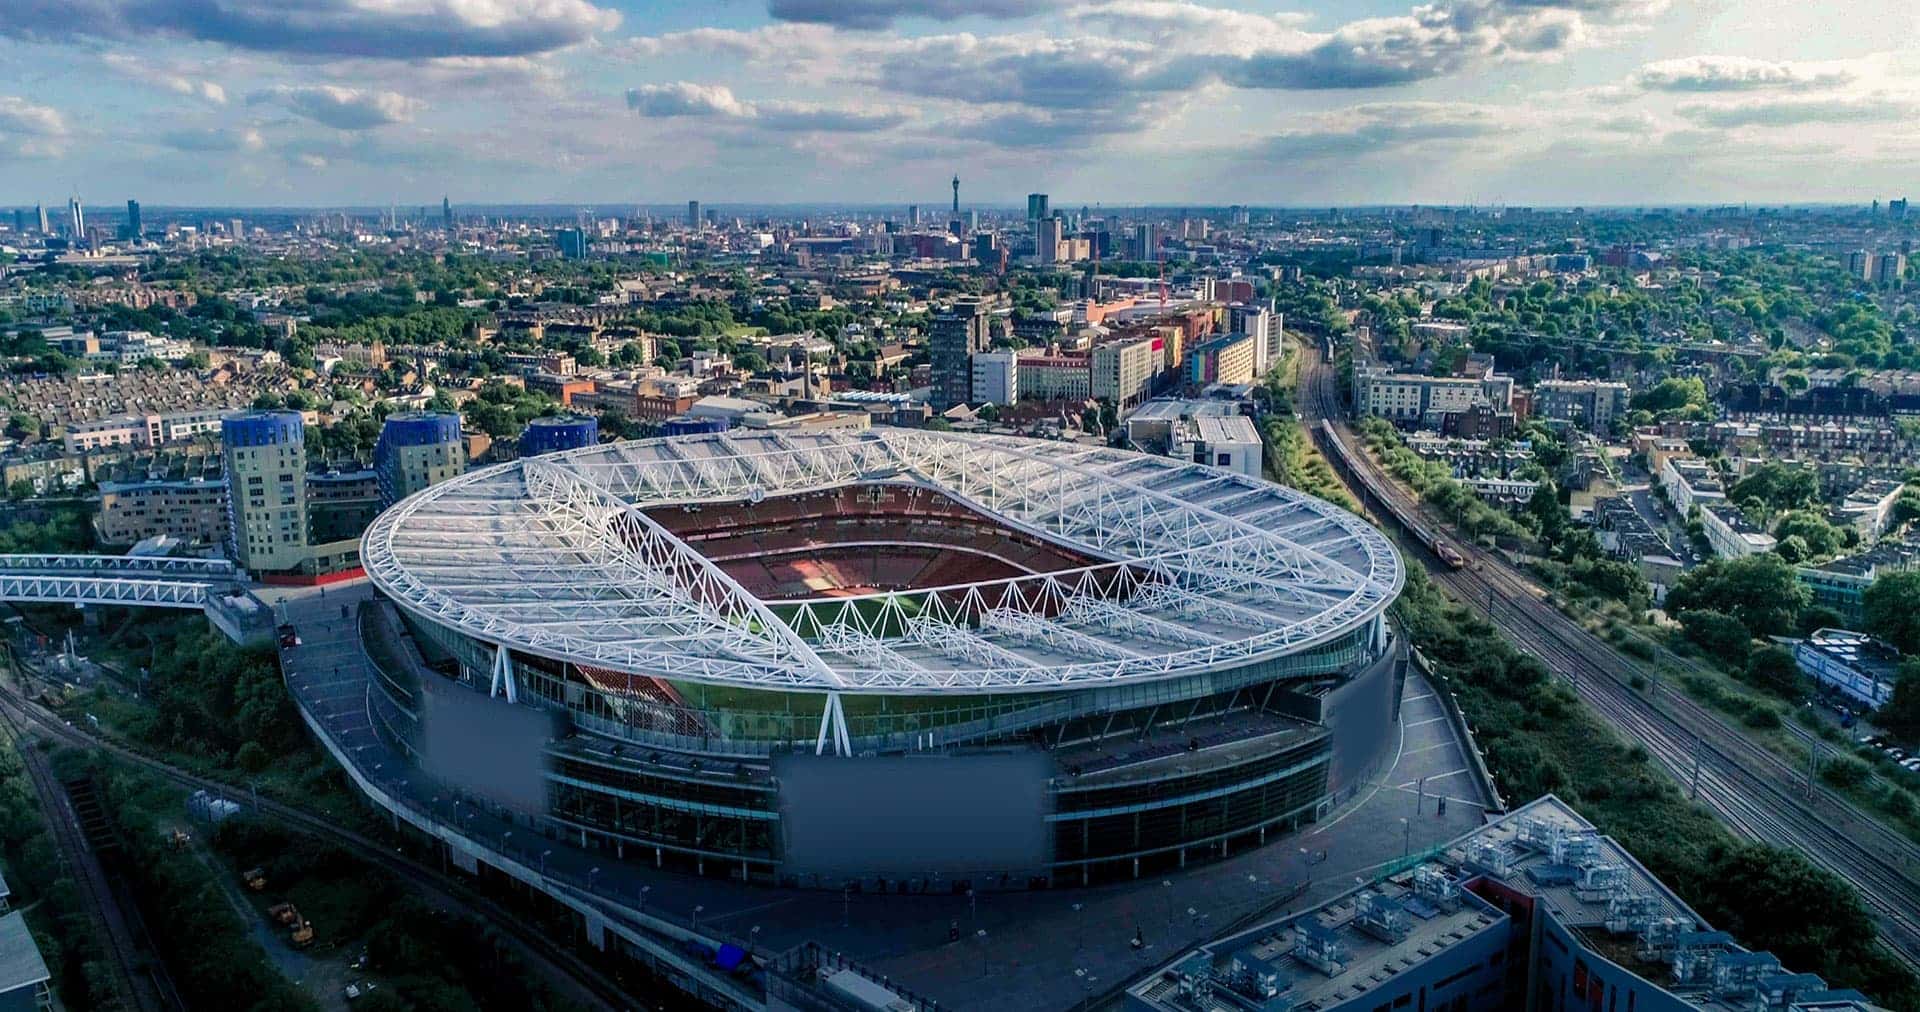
(1739, 73)
(688, 99)
(1437, 39)
(1382, 128)
(873, 14)
(341, 108)
(1778, 112)
(209, 139)
(171, 79)
(30, 130)
(390, 29)
(685, 98)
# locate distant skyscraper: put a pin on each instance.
(1046, 240)
(76, 219)
(913, 215)
(446, 213)
(20, 220)
(1036, 206)
(40, 212)
(1860, 264)
(134, 227)
(236, 228)
(693, 215)
(1890, 270)
(572, 243)
(956, 195)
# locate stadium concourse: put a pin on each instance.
(1033, 941)
(893, 669)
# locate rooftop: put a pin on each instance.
(20, 961)
(1194, 569)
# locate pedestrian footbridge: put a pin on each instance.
(117, 579)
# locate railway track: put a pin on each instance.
(581, 981)
(1754, 791)
(133, 986)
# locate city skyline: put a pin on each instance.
(1543, 102)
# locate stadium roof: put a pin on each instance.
(556, 556)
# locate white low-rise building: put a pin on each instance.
(1731, 534)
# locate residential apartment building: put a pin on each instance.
(193, 510)
(1731, 534)
(265, 456)
(956, 334)
(1230, 358)
(1412, 398)
(1841, 583)
(1689, 482)
(1047, 377)
(996, 377)
(141, 430)
(1590, 404)
(1123, 371)
(416, 450)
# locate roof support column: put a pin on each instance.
(503, 675)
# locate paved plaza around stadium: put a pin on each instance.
(1033, 941)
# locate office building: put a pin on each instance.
(572, 243)
(135, 229)
(1037, 207)
(996, 377)
(957, 334)
(40, 212)
(1590, 404)
(1535, 910)
(1841, 584)
(265, 456)
(694, 219)
(1046, 240)
(1854, 664)
(1860, 264)
(446, 213)
(913, 215)
(417, 449)
(76, 220)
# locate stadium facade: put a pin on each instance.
(888, 656)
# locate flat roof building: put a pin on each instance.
(1536, 909)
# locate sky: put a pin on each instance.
(1275, 102)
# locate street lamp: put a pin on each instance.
(981, 934)
(642, 908)
(753, 941)
(1406, 845)
(591, 873)
(549, 853)
(1166, 887)
(696, 916)
(1080, 928)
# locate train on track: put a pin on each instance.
(1342, 455)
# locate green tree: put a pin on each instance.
(1779, 486)
(1762, 591)
(1721, 635)
(1900, 716)
(1892, 609)
(1773, 668)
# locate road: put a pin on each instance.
(571, 976)
(1755, 792)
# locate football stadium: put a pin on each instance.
(826, 659)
